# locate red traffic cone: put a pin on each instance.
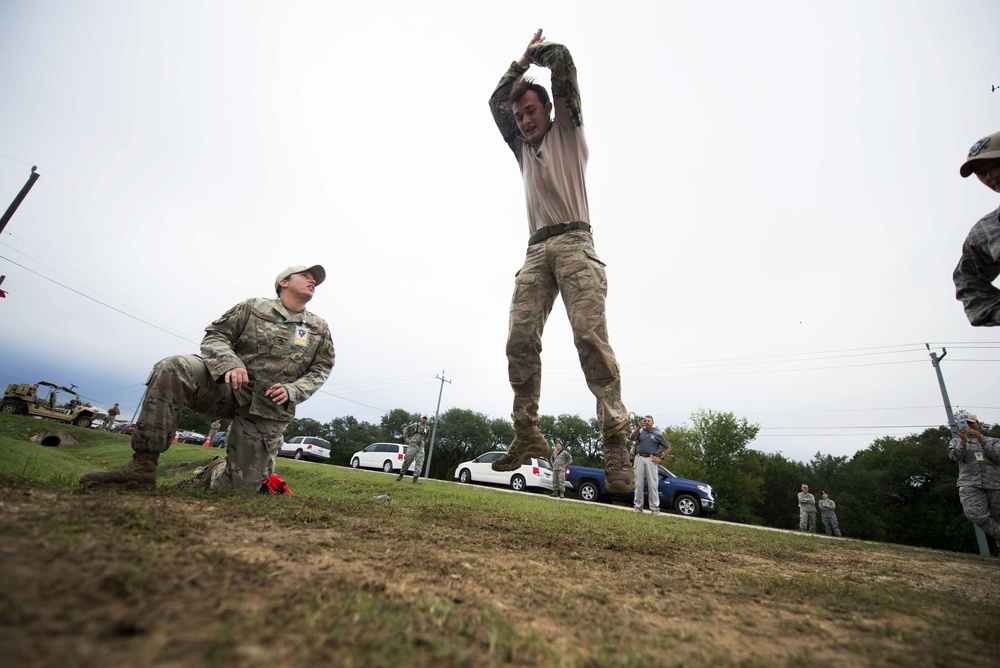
(207, 442)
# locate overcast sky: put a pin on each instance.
(773, 185)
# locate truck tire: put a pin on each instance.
(589, 491)
(685, 504)
(14, 407)
(82, 421)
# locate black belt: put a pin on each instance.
(556, 230)
(645, 454)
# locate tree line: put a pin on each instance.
(898, 490)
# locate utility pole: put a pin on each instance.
(430, 453)
(984, 548)
(20, 196)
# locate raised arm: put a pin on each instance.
(565, 90)
(499, 107)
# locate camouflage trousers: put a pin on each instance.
(982, 507)
(566, 264)
(414, 455)
(830, 524)
(559, 479)
(252, 442)
(807, 519)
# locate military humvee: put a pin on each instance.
(48, 400)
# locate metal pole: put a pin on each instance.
(20, 196)
(430, 451)
(984, 548)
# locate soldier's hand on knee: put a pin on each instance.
(238, 378)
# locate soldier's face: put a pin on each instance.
(532, 116)
(301, 285)
(989, 174)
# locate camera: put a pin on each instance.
(963, 423)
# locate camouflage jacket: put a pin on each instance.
(807, 502)
(560, 460)
(978, 465)
(416, 435)
(827, 506)
(976, 271)
(275, 345)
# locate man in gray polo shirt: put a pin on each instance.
(647, 457)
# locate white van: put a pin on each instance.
(385, 456)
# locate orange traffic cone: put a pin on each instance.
(175, 437)
(207, 443)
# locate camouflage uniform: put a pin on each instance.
(416, 436)
(113, 414)
(560, 460)
(807, 512)
(979, 481)
(976, 271)
(213, 431)
(275, 345)
(565, 263)
(827, 513)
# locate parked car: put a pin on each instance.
(220, 440)
(192, 437)
(385, 456)
(312, 448)
(687, 497)
(124, 428)
(534, 473)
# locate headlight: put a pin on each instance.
(706, 490)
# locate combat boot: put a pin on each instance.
(527, 444)
(618, 476)
(140, 472)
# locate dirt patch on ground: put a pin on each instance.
(154, 578)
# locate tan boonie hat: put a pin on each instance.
(969, 417)
(318, 272)
(987, 148)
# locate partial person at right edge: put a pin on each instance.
(978, 459)
(980, 262)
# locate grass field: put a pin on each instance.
(443, 575)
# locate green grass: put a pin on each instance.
(448, 574)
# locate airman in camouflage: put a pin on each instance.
(827, 513)
(807, 510)
(980, 262)
(978, 459)
(552, 155)
(416, 436)
(212, 431)
(258, 361)
(560, 460)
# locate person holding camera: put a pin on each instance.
(978, 459)
(647, 458)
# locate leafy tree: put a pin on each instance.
(461, 435)
(777, 505)
(305, 427)
(715, 450)
(347, 436)
(394, 422)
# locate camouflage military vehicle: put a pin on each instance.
(48, 400)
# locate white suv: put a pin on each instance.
(385, 456)
(306, 447)
(535, 473)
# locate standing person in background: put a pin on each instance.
(552, 156)
(113, 414)
(416, 436)
(827, 513)
(647, 459)
(212, 431)
(978, 459)
(560, 460)
(807, 510)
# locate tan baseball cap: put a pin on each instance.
(318, 272)
(987, 148)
